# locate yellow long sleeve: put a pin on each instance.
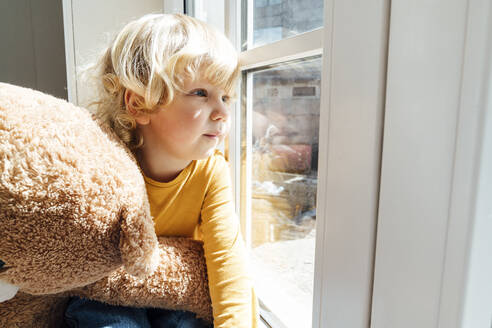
(231, 288)
(199, 203)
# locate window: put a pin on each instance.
(283, 184)
(279, 152)
(276, 142)
(273, 20)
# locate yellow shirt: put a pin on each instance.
(198, 203)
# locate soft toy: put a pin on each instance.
(75, 219)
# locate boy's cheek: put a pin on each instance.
(227, 127)
(225, 135)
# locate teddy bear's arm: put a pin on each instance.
(33, 311)
(179, 283)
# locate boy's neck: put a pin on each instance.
(160, 168)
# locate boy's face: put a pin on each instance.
(192, 125)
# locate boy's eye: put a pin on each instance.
(226, 99)
(200, 93)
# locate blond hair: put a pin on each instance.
(152, 56)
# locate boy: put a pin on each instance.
(167, 83)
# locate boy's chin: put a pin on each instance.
(209, 153)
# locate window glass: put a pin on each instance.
(211, 12)
(273, 20)
(284, 156)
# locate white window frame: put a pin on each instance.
(352, 105)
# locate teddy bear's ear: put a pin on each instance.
(138, 243)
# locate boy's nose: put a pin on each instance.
(220, 112)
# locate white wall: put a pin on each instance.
(94, 24)
(433, 263)
(32, 52)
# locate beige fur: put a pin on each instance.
(179, 283)
(32, 311)
(73, 209)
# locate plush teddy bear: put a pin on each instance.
(75, 219)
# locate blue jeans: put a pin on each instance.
(87, 313)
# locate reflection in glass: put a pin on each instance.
(285, 124)
(274, 20)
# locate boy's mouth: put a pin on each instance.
(213, 135)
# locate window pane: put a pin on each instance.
(273, 20)
(211, 12)
(284, 155)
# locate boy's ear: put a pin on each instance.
(132, 101)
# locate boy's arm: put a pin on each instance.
(231, 289)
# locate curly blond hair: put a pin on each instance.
(152, 56)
